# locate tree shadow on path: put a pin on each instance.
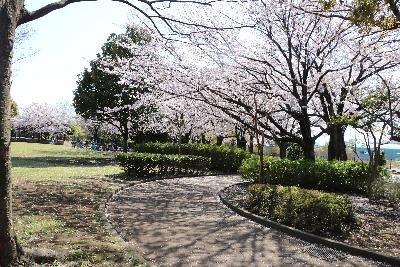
(181, 222)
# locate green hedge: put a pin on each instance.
(308, 210)
(143, 165)
(223, 158)
(336, 176)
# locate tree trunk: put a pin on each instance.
(220, 139)
(9, 249)
(203, 139)
(308, 148)
(185, 138)
(283, 146)
(261, 176)
(308, 141)
(96, 131)
(336, 146)
(251, 145)
(373, 166)
(242, 143)
(125, 136)
(237, 140)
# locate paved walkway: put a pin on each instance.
(181, 222)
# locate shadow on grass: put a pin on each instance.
(75, 204)
(43, 162)
(78, 206)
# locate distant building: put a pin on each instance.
(392, 152)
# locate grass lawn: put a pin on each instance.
(59, 194)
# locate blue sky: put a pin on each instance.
(65, 41)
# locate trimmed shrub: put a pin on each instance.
(313, 211)
(295, 152)
(223, 158)
(143, 165)
(31, 140)
(384, 188)
(18, 139)
(335, 176)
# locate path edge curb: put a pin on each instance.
(356, 251)
(108, 226)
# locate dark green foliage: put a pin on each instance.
(334, 176)
(143, 165)
(249, 169)
(295, 152)
(223, 158)
(369, 14)
(382, 159)
(308, 210)
(135, 34)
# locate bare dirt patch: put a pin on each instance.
(67, 217)
(379, 227)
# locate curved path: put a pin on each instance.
(181, 222)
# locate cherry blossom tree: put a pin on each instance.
(182, 117)
(148, 64)
(206, 92)
(42, 118)
(372, 17)
(188, 119)
(303, 66)
(182, 123)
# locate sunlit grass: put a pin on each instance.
(61, 173)
(52, 162)
(34, 227)
(22, 149)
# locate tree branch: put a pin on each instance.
(27, 16)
